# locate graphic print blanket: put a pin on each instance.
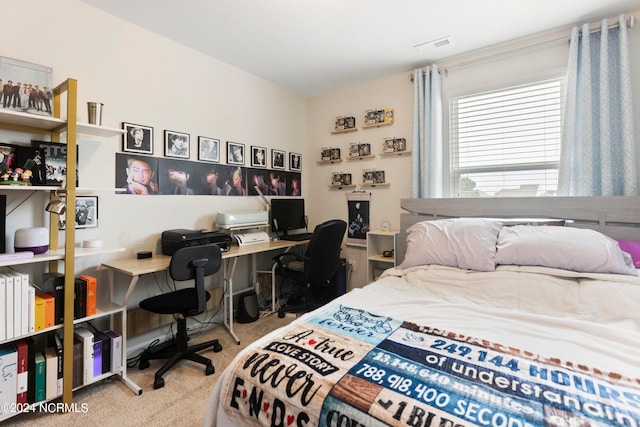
(348, 367)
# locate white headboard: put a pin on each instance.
(617, 217)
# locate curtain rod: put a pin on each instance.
(630, 22)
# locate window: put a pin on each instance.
(506, 142)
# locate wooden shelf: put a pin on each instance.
(370, 156)
(395, 153)
(344, 130)
(322, 162)
(340, 187)
(380, 184)
(376, 125)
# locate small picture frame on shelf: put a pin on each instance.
(258, 157)
(344, 123)
(208, 149)
(373, 176)
(374, 116)
(335, 154)
(55, 160)
(295, 162)
(26, 87)
(340, 178)
(358, 149)
(325, 153)
(393, 145)
(86, 213)
(235, 153)
(277, 159)
(176, 144)
(137, 138)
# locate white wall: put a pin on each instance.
(548, 60)
(145, 79)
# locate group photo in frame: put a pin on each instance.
(86, 213)
(26, 87)
(137, 138)
(258, 157)
(295, 162)
(208, 149)
(176, 144)
(277, 159)
(235, 153)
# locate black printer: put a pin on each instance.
(172, 240)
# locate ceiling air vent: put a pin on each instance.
(434, 44)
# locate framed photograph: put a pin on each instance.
(235, 153)
(258, 157)
(208, 149)
(137, 138)
(176, 144)
(26, 87)
(277, 159)
(295, 162)
(86, 213)
(55, 161)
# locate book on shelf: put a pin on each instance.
(78, 363)
(80, 299)
(40, 374)
(39, 312)
(51, 376)
(59, 351)
(14, 300)
(10, 316)
(32, 308)
(116, 350)
(105, 342)
(21, 283)
(91, 294)
(23, 371)
(97, 357)
(3, 309)
(32, 349)
(53, 283)
(9, 383)
(49, 309)
(86, 338)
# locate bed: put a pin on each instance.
(508, 312)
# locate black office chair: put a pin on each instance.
(315, 269)
(189, 263)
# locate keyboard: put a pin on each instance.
(297, 237)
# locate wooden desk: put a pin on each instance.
(134, 268)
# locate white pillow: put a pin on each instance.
(468, 243)
(569, 248)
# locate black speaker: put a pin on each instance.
(248, 310)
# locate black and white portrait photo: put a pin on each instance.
(258, 157)
(295, 161)
(277, 159)
(208, 149)
(137, 138)
(235, 153)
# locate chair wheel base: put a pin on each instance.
(217, 348)
(281, 314)
(209, 370)
(144, 364)
(158, 383)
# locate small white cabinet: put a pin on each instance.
(380, 243)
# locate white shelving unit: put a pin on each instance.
(379, 242)
(56, 128)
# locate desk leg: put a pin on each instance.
(123, 374)
(228, 291)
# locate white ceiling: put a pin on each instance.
(316, 46)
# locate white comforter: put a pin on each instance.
(589, 319)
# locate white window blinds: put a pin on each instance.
(506, 142)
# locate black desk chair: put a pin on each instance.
(316, 268)
(194, 262)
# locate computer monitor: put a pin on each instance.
(287, 215)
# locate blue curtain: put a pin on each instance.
(598, 156)
(426, 175)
